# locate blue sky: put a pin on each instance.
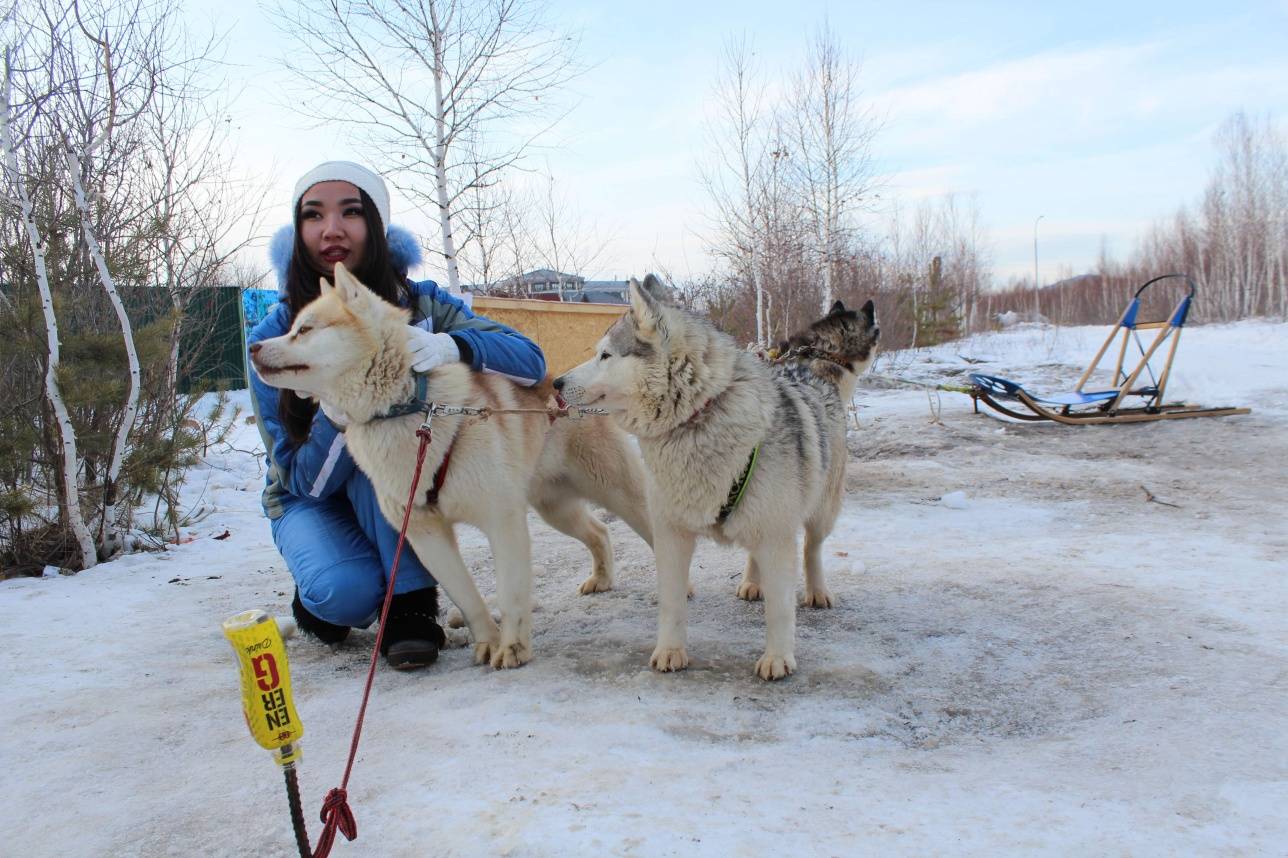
(1097, 116)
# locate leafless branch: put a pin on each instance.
(424, 79)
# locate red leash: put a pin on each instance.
(335, 809)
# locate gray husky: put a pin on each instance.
(735, 448)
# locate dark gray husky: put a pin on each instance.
(735, 448)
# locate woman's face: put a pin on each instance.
(332, 226)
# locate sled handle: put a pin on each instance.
(1189, 284)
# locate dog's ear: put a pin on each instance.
(837, 307)
(324, 286)
(869, 311)
(656, 289)
(645, 309)
(351, 290)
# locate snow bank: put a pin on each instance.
(1028, 655)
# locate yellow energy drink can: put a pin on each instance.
(266, 683)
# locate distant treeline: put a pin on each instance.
(1233, 243)
(931, 278)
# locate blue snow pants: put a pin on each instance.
(339, 550)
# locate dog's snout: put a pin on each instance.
(254, 348)
(559, 383)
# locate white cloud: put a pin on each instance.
(925, 183)
(1015, 87)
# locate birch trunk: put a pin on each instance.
(1282, 309)
(756, 255)
(828, 238)
(440, 159)
(769, 312)
(831, 214)
(176, 298)
(915, 315)
(172, 361)
(66, 432)
(755, 240)
(108, 535)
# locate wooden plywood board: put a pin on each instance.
(566, 332)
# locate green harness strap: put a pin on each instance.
(739, 488)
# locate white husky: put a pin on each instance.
(735, 449)
(350, 348)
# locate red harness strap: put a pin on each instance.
(440, 477)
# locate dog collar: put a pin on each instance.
(419, 405)
(739, 487)
(415, 405)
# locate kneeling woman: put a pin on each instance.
(323, 512)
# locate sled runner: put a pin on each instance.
(1139, 394)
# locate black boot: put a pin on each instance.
(328, 633)
(413, 636)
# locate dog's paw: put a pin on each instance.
(773, 667)
(456, 638)
(516, 654)
(455, 619)
(668, 659)
(595, 584)
(484, 651)
(818, 598)
(750, 591)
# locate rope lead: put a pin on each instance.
(336, 814)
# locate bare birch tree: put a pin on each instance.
(91, 81)
(70, 506)
(115, 91)
(834, 133)
(559, 237)
(415, 79)
(735, 183)
(491, 217)
(203, 211)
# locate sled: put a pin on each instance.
(1134, 400)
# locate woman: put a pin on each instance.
(323, 512)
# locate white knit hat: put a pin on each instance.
(346, 171)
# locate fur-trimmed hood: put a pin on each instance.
(404, 251)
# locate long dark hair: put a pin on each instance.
(302, 286)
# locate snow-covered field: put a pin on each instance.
(1028, 655)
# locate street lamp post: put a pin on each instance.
(1037, 298)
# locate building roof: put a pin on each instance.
(544, 283)
(541, 276)
(604, 296)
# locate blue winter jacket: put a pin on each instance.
(321, 466)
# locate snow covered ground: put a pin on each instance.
(1028, 655)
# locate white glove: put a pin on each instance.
(430, 350)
